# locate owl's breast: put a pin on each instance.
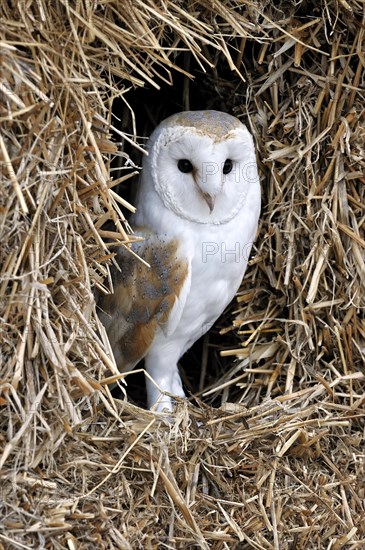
(218, 264)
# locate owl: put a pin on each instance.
(198, 204)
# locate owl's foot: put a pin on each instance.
(165, 403)
(161, 382)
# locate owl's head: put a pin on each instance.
(202, 164)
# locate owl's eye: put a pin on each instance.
(227, 166)
(185, 166)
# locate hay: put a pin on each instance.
(279, 462)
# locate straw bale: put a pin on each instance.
(270, 454)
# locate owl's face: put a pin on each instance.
(202, 164)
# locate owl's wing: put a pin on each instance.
(145, 298)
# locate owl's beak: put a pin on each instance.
(213, 186)
(209, 200)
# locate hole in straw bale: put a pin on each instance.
(208, 90)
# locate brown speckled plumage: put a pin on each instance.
(143, 296)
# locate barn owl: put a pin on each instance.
(198, 205)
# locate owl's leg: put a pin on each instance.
(164, 371)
